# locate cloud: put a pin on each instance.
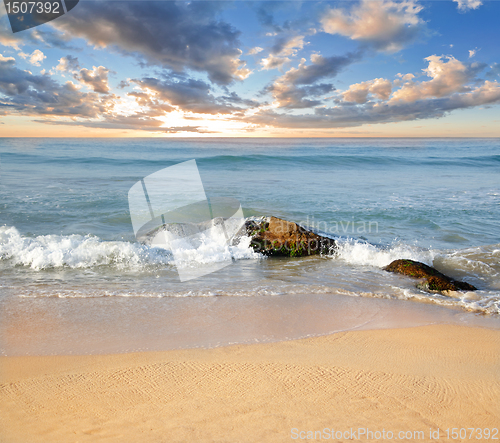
(97, 79)
(465, 5)
(189, 95)
(24, 93)
(255, 50)
(473, 52)
(320, 68)
(265, 15)
(453, 85)
(177, 129)
(494, 71)
(123, 84)
(35, 58)
(358, 92)
(273, 62)
(68, 64)
(37, 36)
(343, 116)
(7, 38)
(6, 59)
(293, 88)
(386, 25)
(174, 35)
(136, 122)
(448, 75)
(283, 48)
(288, 45)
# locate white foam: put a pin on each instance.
(358, 252)
(74, 251)
(78, 251)
(209, 246)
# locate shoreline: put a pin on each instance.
(411, 379)
(115, 325)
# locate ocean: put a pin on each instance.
(74, 279)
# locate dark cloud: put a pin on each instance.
(22, 92)
(139, 121)
(281, 44)
(68, 64)
(175, 35)
(348, 115)
(494, 72)
(293, 89)
(191, 95)
(177, 129)
(97, 79)
(123, 84)
(320, 68)
(265, 14)
(235, 98)
(297, 97)
(29, 94)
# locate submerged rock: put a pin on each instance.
(276, 237)
(433, 280)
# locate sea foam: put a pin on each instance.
(87, 251)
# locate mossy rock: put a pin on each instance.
(432, 279)
(273, 236)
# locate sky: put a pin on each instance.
(369, 68)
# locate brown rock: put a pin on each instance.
(433, 280)
(276, 237)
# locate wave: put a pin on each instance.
(479, 263)
(343, 160)
(361, 253)
(78, 251)
(479, 266)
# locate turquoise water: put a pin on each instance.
(66, 234)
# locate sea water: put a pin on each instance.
(75, 279)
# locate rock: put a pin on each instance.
(276, 237)
(432, 280)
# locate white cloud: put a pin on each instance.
(255, 50)
(448, 75)
(386, 24)
(97, 79)
(6, 59)
(473, 52)
(465, 5)
(282, 50)
(406, 77)
(358, 92)
(487, 93)
(272, 62)
(35, 58)
(68, 63)
(292, 45)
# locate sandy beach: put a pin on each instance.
(398, 382)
